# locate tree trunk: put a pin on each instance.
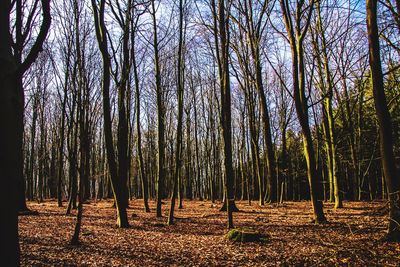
(296, 37)
(116, 183)
(385, 124)
(143, 175)
(226, 119)
(328, 111)
(9, 252)
(180, 95)
(160, 116)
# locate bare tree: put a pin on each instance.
(385, 123)
(296, 27)
(12, 68)
(117, 182)
(221, 33)
(180, 95)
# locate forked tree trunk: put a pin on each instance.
(296, 36)
(116, 183)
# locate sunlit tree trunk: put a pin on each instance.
(296, 37)
(329, 126)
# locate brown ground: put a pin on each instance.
(353, 236)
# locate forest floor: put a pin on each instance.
(352, 236)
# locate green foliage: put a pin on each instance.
(246, 235)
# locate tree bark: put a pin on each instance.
(10, 252)
(296, 37)
(180, 95)
(116, 183)
(385, 123)
(226, 119)
(160, 116)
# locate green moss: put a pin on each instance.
(245, 235)
(86, 233)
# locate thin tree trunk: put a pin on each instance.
(160, 116)
(143, 175)
(180, 95)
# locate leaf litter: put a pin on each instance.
(352, 236)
